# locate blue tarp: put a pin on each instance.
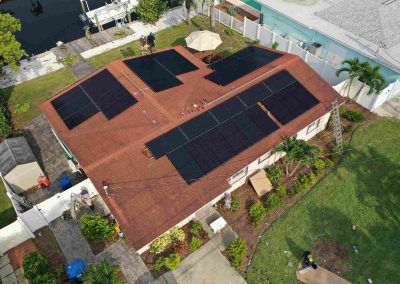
(75, 268)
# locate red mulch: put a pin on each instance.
(17, 254)
(240, 15)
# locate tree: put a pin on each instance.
(296, 151)
(34, 264)
(372, 77)
(150, 11)
(103, 273)
(210, 5)
(190, 5)
(10, 49)
(95, 227)
(353, 67)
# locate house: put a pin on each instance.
(164, 135)
(18, 165)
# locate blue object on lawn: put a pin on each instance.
(75, 269)
(65, 183)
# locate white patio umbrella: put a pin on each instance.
(203, 40)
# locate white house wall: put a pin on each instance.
(23, 177)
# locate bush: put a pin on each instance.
(5, 124)
(275, 45)
(159, 245)
(281, 190)
(237, 251)
(121, 33)
(312, 179)
(319, 167)
(302, 184)
(34, 264)
(235, 204)
(150, 11)
(348, 128)
(273, 201)
(229, 31)
(195, 243)
(172, 261)
(95, 227)
(102, 273)
(329, 163)
(274, 174)
(22, 108)
(70, 60)
(256, 42)
(197, 228)
(177, 235)
(257, 213)
(335, 153)
(179, 247)
(353, 116)
(158, 263)
(46, 278)
(233, 10)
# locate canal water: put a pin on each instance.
(55, 20)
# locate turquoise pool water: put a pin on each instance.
(253, 4)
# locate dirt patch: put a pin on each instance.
(330, 255)
(48, 245)
(98, 247)
(240, 15)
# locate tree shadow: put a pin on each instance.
(179, 41)
(127, 52)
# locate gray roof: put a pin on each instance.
(373, 20)
(14, 152)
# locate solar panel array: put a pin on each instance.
(100, 93)
(203, 143)
(159, 70)
(240, 64)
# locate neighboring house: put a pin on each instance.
(367, 29)
(18, 165)
(169, 135)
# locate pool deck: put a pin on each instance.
(307, 14)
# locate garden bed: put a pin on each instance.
(224, 7)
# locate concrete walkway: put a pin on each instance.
(206, 265)
(390, 108)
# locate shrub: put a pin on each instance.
(195, 243)
(257, 213)
(335, 153)
(70, 60)
(229, 31)
(275, 45)
(274, 174)
(329, 163)
(237, 251)
(233, 10)
(158, 263)
(45, 278)
(95, 227)
(34, 264)
(353, 116)
(256, 42)
(150, 11)
(159, 245)
(5, 125)
(235, 204)
(172, 261)
(177, 234)
(281, 190)
(197, 228)
(121, 33)
(179, 247)
(102, 273)
(22, 108)
(319, 167)
(312, 179)
(301, 184)
(273, 201)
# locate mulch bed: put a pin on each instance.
(149, 258)
(98, 247)
(240, 15)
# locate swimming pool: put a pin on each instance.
(253, 4)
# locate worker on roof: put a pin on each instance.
(143, 45)
(151, 41)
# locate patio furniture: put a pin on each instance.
(218, 225)
(261, 183)
(65, 183)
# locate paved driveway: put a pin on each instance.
(205, 266)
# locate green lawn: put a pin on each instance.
(171, 37)
(364, 190)
(35, 92)
(7, 213)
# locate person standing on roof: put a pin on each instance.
(151, 41)
(143, 45)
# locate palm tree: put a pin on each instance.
(103, 273)
(371, 77)
(296, 151)
(354, 68)
(190, 5)
(210, 4)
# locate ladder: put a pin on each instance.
(337, 127)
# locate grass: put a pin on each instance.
(363, 190)
(174, 36)
(34, 92)
(7, 213)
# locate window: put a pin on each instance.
(238, 175)
(264, 157)
(313, 126)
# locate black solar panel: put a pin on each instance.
(228, 109)
(198, 125)
(203, 156)
(240, 63)
(186, 166)
(290, 102)
(218, 145)
(255, 94)
(166, 143)
(109, 95)
(156, 76)
(80, 116)
(248, 128)
(264, 122)
(279, 81)
(233, 136)
(174, 61)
